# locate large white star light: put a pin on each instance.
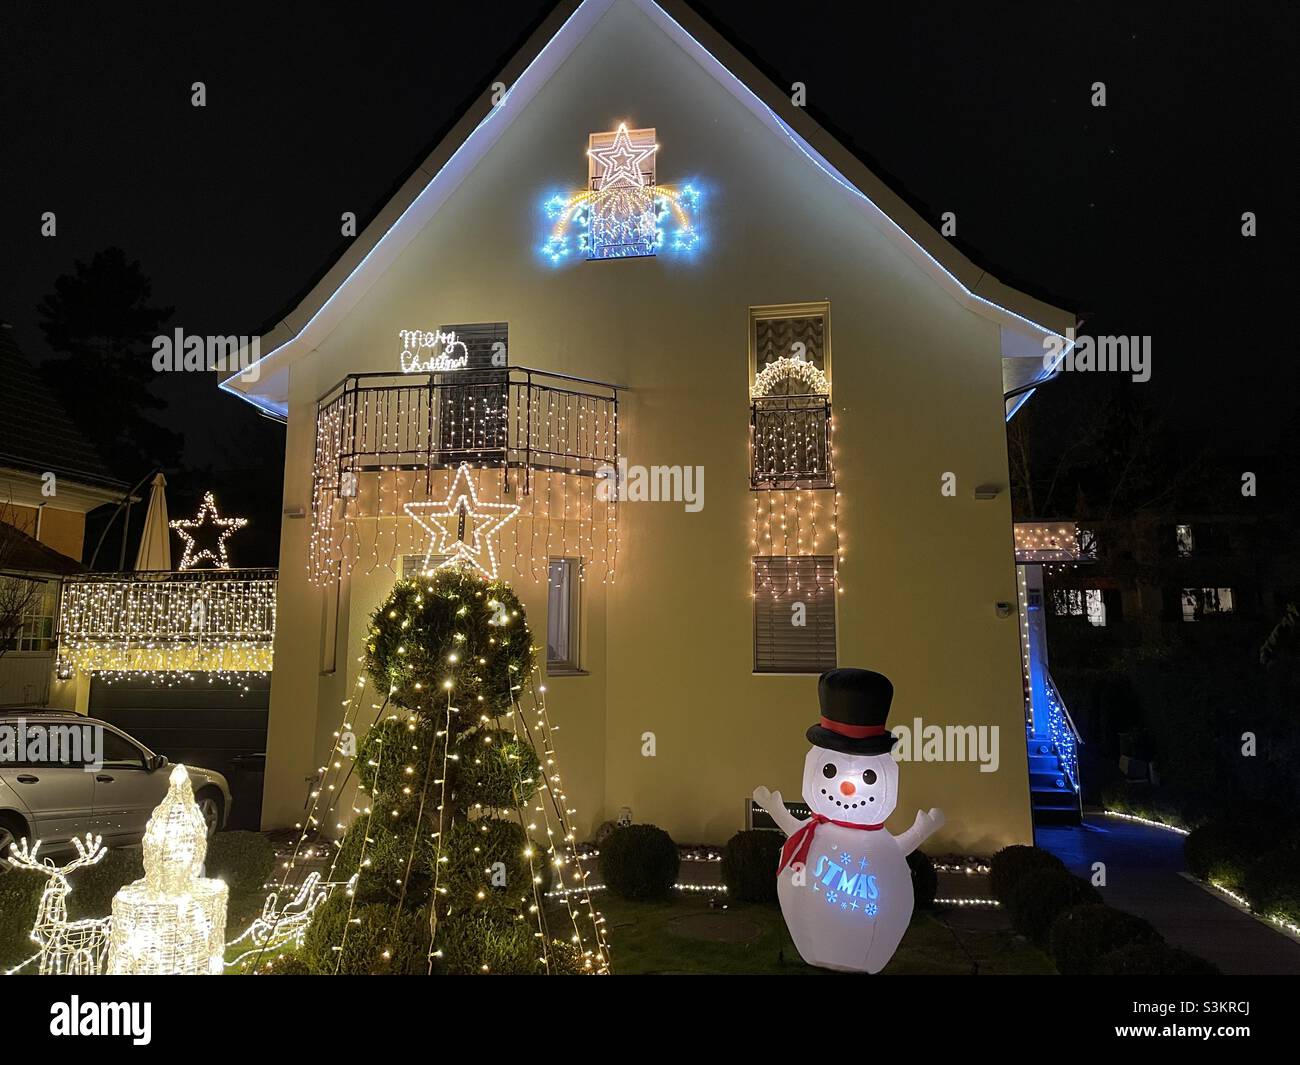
(620, 163)
(460, 518)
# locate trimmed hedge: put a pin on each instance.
(244, 860)
(1011, 864)
(1222, 850)
(925, 881)
(640, 862)
(93, 888)
(374, 930)
(1082, 935)
(1272, 883)
(1038, 898)
(749, 865)
(1152, 959)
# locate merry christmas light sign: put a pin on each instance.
(419, 345)
(843, 882)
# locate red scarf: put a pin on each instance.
(796, 848)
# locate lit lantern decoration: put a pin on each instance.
(173, 922)
(843, 882)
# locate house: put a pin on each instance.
(612, 293)
(51, 477)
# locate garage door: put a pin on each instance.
(206, 721)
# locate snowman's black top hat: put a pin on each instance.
(855, 703)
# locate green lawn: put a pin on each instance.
(650, 937)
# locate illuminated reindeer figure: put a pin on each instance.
(67, 948)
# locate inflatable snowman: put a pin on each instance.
(844, 883)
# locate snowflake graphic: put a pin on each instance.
(845, 857)
(862, 864)
(844, 905)
(831, 896)
(871, 909)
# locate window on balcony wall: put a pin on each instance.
(1199, 603)
(794, 614)
(1087, 603)
(563, 602)
(473, 402)
(1184, 541)
(789, 385)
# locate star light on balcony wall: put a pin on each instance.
(623, 212)
(460, 518)
(207, 513)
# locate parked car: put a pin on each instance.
(57, 801)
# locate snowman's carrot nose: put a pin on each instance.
(846, 787)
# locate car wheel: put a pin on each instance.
(210, 807)
(10, 833)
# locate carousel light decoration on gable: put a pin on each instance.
(207, 513)
(469, 540)
(623, 212)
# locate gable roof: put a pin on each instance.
(36, 432)
(26, 554)
(1025, 322)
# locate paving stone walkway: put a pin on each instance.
(1143, 866)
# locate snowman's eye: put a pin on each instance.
(829, 770)
(869, 776)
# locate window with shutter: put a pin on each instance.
(794, 614)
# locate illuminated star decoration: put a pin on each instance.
(208, 511)
(460, 517)
(621, 163)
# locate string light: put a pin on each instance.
(482, 521)
(207, 513)
(173, 921)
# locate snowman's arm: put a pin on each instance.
(925, 825)
(771, 802)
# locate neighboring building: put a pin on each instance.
(665, 294)
(51, 476)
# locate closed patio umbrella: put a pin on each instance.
(155, 542)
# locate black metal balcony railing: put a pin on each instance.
(516, 417)
(790, 442)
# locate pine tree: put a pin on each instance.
(449, 879)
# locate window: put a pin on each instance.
(562, 602)
(1184, 541)
(794, 614)
(1200, 603)
(41, 602)
(1080, 602)
(119, 753)
(789, 386)
(621, 185)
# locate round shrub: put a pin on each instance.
(429, 626)
(394, 756)
(1271, 883)
(495, 769)
(925, 881)
(93, 887)
(749, 865)
(1082, 934)
(1152, 959)
(20, 894)
(287, 964)
(489, 943)
(640, 862)
(1034, 902)
(374, 930)
(473, 849)
(1012, 864)
(244, 860)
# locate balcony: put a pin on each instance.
(544, 441)
(1054, 541)
(790, 442)
(172, 623)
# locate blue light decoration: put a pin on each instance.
(623, 213)
(854, 893)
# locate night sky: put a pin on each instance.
(1129, 215)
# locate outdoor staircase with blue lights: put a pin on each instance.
(1054, 766)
